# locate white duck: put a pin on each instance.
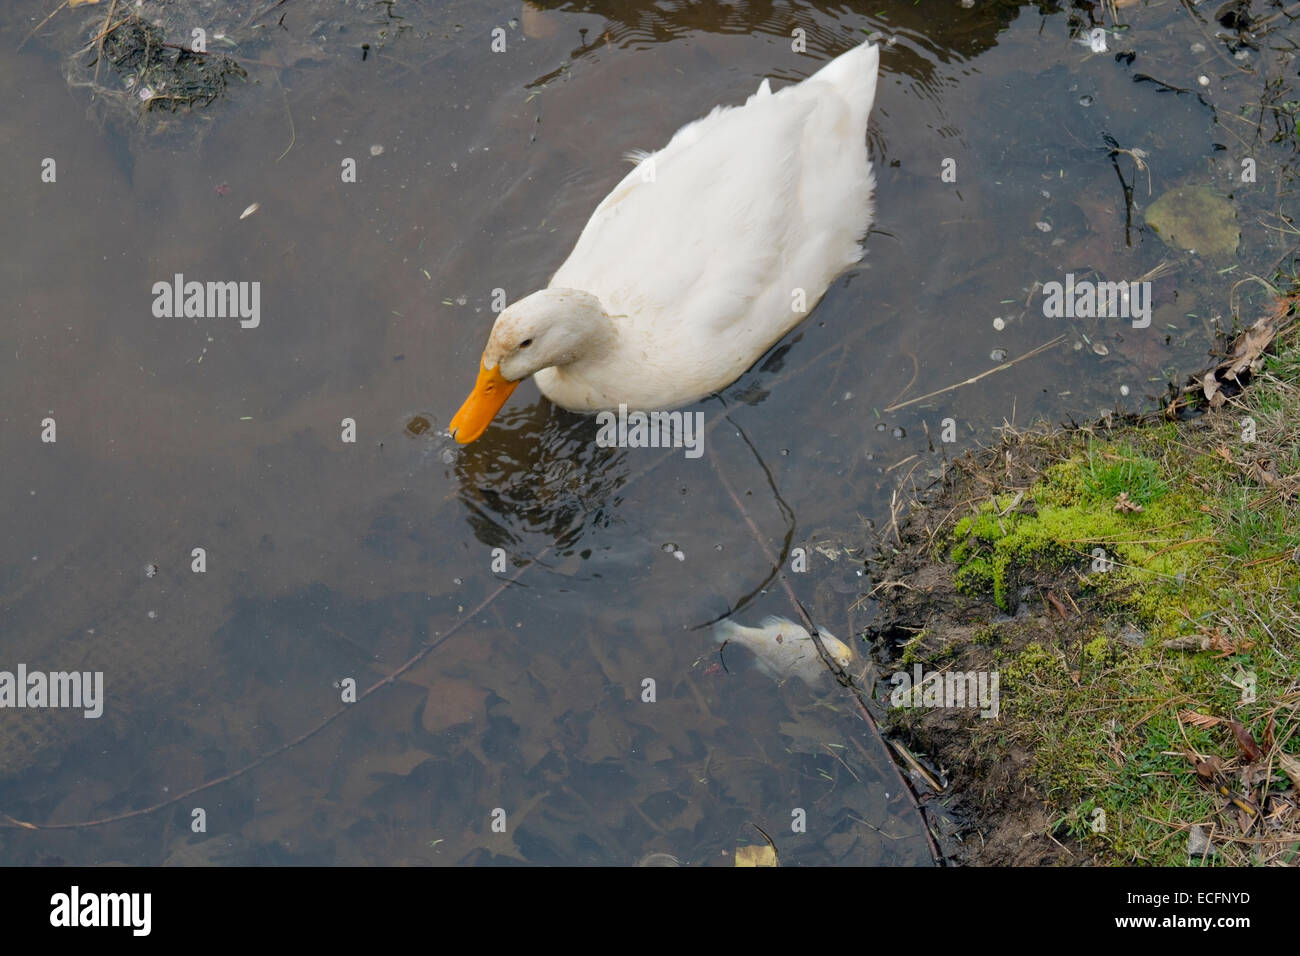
(705, 254)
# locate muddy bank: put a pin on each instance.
(1103, 625)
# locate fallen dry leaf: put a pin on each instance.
(1199, 720)
(1245, 741)
(1291, 766)
(1248, 350)
(1124, 504)
(1207, 768)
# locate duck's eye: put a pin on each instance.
(525, 343)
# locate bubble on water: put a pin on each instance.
(1078, 346)
(999, 323)
(1085, 100)
(1043, 226)
(150, 570)
(848, 396)
(717, 547)
(679, 555)
(898, 432)
(785, 452)
(1123, 389)
(667, 547)
(998, 355)
(457, 581)
(461, 300)
(153, 615)
(377, 149)
(448, 456)
(880, 426)
(1203, 80)
(1198, 47)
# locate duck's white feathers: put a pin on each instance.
(697, 253)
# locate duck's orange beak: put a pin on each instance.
(490, 393)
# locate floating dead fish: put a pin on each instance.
(783, 649)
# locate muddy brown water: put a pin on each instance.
(329, 561)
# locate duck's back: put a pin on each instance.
(701, 250)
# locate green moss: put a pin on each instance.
(1097, 650)
(1210, 553)
(1069, 519)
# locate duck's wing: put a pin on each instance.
(700, 227)
(739, 210)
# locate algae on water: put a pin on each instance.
(1197, 219)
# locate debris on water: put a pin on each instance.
(1085, 100)
(1100, 349)
(998, 355)
(1043, 226)
(898, 432)
(150, 570)
(1195, 218)
(250, 210)
(148, 73)
(377, 150)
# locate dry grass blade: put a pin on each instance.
(975, 378)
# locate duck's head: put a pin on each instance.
(551, 327)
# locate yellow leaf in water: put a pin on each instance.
(755, 856)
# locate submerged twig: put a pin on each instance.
(982, 375)
(37, 28)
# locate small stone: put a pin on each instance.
(1129, 634)
(1198, 842)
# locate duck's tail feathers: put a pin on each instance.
(855, 75)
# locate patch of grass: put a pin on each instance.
(1108, 472)
(1210, 560)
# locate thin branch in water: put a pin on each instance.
(983, 375)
